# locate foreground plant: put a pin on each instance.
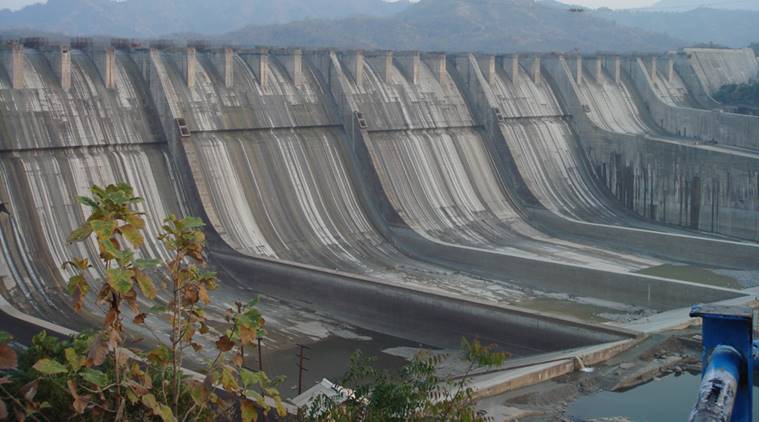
(97, 376)
(416, 394)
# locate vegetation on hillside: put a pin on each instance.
(746, 95)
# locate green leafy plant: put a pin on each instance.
(96, 376)
(417, 393)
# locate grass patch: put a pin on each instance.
(575, 310)
(693, 274)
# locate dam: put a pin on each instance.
(518, 199)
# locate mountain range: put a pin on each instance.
(464, 25)
(153, 18)
(446, 25)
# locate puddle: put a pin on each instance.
(668, 399)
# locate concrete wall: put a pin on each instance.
(552, 276)
(660, 243)
(633, 289)
(693, 83)
(718, 67)
(427, 317)
(139, 96)
(670, 182)
(702, 125)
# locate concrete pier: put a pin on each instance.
(17, 66)
(258, 61)
(65, 69)
(617, 69)
(670, 69)
(437, 62)
(108, 68)
(356, 66)
(514, 68)
(224, 61)
(382, 63)
(61, 62)
(599, 69)
(294, 65)
(487, 64)
(535, 71)
(653, 72)
(410, 62)
(578, 70)
(190, 63)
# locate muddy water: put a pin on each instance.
(668, 399)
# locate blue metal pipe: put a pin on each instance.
(719, 386)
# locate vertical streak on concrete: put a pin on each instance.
(229, 68)
(515, 69)
(64, 67)
(17, 66)
(599, 69)
(190, 63)
(670, 68)
(536, 69)
(578, 72)
(296, 66)
(653, 68)
(617, 69)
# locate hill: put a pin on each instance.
(464, 25)
(151, 18)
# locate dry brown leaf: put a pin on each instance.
(8, 357)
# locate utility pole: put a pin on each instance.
(301, 368)
(260, 359)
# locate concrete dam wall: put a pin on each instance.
(57, 143)
(376, 188)
(716, 67)
(675, 180)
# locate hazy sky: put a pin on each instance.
(614, 4)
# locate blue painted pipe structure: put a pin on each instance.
(728, 362)
(719, 386)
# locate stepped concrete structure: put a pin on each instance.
(411, 194)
